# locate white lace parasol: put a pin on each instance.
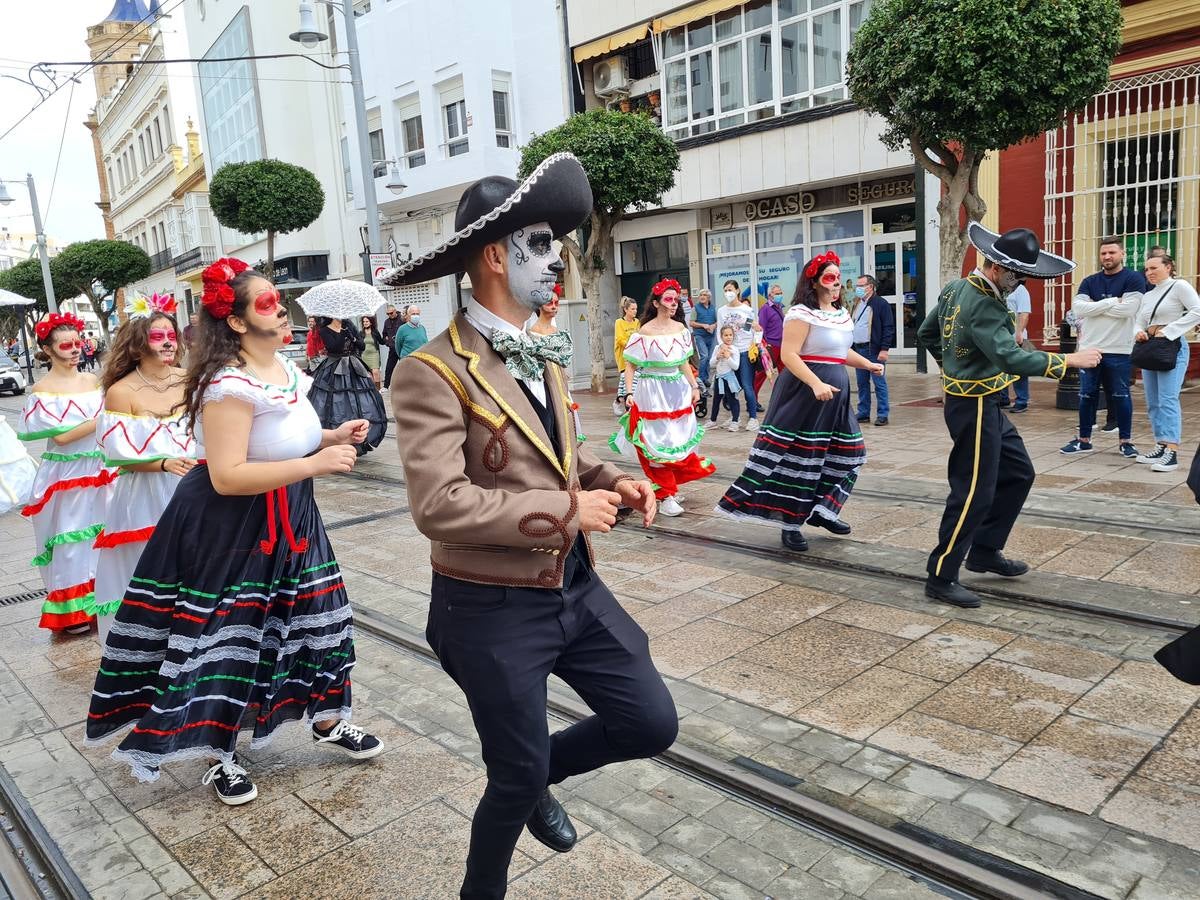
(342, 300)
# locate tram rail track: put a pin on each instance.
(1008, 594)
(949, 867)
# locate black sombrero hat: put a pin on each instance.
(557, 191)
(1019, 250)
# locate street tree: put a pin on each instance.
(265, 195)
(25, 278)
(958, 79)
(630, 164)
(97, 270)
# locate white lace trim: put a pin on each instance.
(274, 627)
(254, 654)
(512, 200)
(141, 632)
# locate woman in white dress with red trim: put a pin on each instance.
(660, 430)
(67, 504)
(142, 434)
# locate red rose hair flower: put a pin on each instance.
(46, 327)
(667, 284)
(218, 295)
(814, 265)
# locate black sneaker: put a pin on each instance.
(1169, 462)
(231, 782)
(349, 739)
(1149, 459)
(1109, 427)
(866, 418)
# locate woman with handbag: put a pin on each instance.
(1169, 311)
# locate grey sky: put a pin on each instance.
(34, 33)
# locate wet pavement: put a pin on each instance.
(1045, 737)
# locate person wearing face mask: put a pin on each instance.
(972, 336)
(410, 336)
(343, 387)
(70, 494)
(747, 332)
(391, 324)
(499, 484)
(874, 335)
(770, 319)
(142, 434)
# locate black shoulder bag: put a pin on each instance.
(1158, 354)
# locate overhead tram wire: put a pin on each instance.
(58, 159)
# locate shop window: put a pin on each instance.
(733, 240)
(654, 254)
(834, 226)
(893, 219)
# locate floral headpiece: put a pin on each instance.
(814, 266)
(139, 306)
(558, 290)
(44, 328)
(218, 295)
(667, 284)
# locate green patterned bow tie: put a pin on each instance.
(526, 356)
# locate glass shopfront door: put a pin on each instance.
(895, 265)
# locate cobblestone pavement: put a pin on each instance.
(1047, 738)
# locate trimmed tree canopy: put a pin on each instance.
(988, 73)
(25, 278)
(112, 263)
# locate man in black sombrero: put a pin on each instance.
(499, 482)
(971, 335)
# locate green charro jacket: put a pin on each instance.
(972, 335)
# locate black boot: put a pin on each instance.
(994, 561)
(551, 825)
(837, 526)
(951, 592)
(794, 540)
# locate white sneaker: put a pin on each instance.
(732, 426)
(618, 408)
(752, 425)
(670, 507)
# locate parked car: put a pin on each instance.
(295, 350)
(12, 379)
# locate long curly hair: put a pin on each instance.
(131, 346)
(650, 310)
(806, 288)
(215, 346)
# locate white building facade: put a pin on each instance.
(143, 118)
(285, 109)
(776, 164)
(453, 90)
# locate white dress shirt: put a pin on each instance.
(487, 322)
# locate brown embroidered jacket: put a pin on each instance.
(484, 483)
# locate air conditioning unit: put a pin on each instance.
(610, 77)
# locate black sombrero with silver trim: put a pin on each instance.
(557, 192)
(1019, 250)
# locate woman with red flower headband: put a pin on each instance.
(809, 449)
(660, 430)
(68, 500)
(237, 599)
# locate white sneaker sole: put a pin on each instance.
(353, 754)
(1077, 452)
(1159, 468)
(238, 801)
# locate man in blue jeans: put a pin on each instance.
(874, 334)
(1105, 307)
(704, 323)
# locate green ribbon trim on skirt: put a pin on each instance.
(51, 456)
(67, 537)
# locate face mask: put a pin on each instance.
(533, 266)
(777, 299)
(730, 295)
(860, 292)
(415, 319)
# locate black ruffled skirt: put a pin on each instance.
(236, 617)
(342, 390)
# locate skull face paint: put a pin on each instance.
(533, 266)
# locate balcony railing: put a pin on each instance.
(196, 258)
(164, 259)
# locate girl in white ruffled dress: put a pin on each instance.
(142, 434)
(18, 470)
(67, 504)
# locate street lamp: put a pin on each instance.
(394, 184)
(5, 199)
(308, 36)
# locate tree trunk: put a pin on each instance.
(270, 273)
(958, 171)
(596, 258)
(97, 304)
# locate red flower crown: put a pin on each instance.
(814, 266)
(218, 295)
(558, 290)
(44, 328)
(667, 284)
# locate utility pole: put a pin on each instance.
(47, 282)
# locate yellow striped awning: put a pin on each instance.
(692, 13)
(603, 45)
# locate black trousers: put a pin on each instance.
(990, 477)
(393, 358)
(499, 645)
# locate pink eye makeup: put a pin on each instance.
(267, 303)
(161, 335)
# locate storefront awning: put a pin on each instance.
(603, 45)
(692, 13)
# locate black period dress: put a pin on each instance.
(343, 388)
(236, 615)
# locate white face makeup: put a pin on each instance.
(533, 266)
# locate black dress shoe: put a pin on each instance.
(837, 526)
(794, 540)
(882, 420)
(951, 592)
(551, 825)
(996, 564)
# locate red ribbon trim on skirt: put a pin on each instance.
(671, 414)
(108, 539)
(824, 359)
(104, 478)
